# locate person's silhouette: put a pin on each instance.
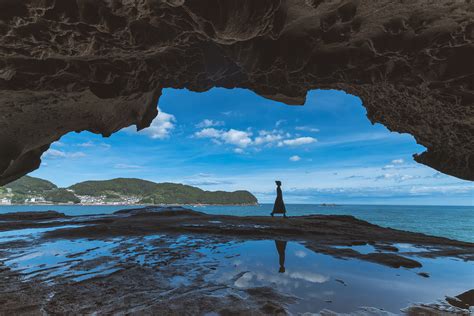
(279, 207)
(281, 248)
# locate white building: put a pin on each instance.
(5, 201)
(36, 200)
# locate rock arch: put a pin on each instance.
(100, 65)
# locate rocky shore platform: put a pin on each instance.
(137, 262)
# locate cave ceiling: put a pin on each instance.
(101, 65)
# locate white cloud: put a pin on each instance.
(307, 129)
(54, 153)
(279, 122)
(406, 177)
(244, 139)
(300, 254)
(266, 137)
(396, 177)
(209, 123)
(208, 133)
(297, 141)
(204, 175)
(91, 144)
(237, 138)
(78, 154)
(232, 137)
(206, 179)
(126, 166)
(444, 189)
(309, 277)
(238, 150)
(397, 164)
(357, 138)
(205, 182)
(86, 144)
(160, 128)
(289, 279)
(405, 192)
(295, 158)
(387, 176)
(436, 175)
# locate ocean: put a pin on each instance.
(454, 222)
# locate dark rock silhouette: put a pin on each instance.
(457, 305)
(29, 216)
(101, 65)
(463, 300)
(279, 206)
(281, 249)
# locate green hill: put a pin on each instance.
(122, 190)
(61, 196)
(120, 186)
(170, 193)
(160, 193)
(30, 185)
(26, 188)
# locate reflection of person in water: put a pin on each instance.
(281, 248)
(279, 207)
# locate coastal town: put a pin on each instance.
(6, 196)
(103, 200)
(122, 191)
(8, 199)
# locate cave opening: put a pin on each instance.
(96, 67)
(326, 151)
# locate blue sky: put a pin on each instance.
(326, 151)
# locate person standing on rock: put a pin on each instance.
(279, 207)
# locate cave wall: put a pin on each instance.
(100, 65)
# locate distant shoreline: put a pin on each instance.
(138, 205)
(257, 204)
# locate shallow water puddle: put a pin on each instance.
(403, 248)
(317, 281)
(76, 260)
(363, 249)
(28, 233)
(65, 259)
(323, 282)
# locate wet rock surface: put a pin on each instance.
(101, 65)
(131, 288)
(320, 232)
(463, 300)
(23, 216)
(166, 259)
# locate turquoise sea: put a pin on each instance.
(455, 222)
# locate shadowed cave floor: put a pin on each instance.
(181, 262)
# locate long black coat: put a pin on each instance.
(279, 207)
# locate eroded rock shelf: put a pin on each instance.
(178, 261)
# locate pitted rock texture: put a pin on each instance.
(100, 65)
